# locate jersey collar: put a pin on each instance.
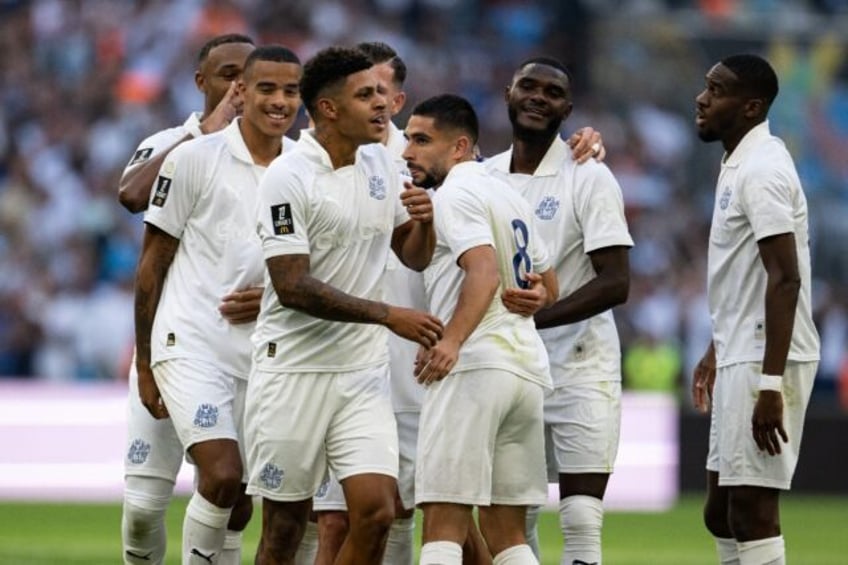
(235, 142)
(751, 140)
(550, 164)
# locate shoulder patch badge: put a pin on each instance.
(163, 186)
(141, 155)
(281, 219)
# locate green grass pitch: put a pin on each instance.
(815, 528)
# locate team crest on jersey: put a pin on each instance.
(377, 187)
(724, 201)
(206, 416)
(141, 155)
(547, 208)
(271, 476)
(160, 194)
(281, 219)
(138, 452)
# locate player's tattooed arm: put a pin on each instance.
(157, 254)
(297, 289)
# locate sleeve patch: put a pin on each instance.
(281, 219)
(141, 155)
(163, 186)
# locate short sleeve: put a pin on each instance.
(766, 200)
(176, 191)
(462, 219)
(599, 208)
(283, 211)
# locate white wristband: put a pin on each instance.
(771, 382)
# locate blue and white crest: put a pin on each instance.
(377, 187)
(139, 450)
(547, 208)
(206, 416)
(724, 201)
(271, 476)
(325, 486)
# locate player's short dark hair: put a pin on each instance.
(328, 68)
(756, 76)
(450, 111)
(274, 53)
(548, 62)
(379, 53)
(221, 40)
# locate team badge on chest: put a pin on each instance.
(547, 208)
(724, 201)
(377, 187)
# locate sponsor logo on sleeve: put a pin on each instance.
(160, 193)
(281, 219)
(141, 155)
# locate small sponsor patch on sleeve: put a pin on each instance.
(141, 155)
(160, 194)
(281, 219)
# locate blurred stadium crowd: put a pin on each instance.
(85, 80)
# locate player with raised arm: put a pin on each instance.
(329, 213)
(192, 361)
(154, 453)
(477, 450)
(580, 215)
(764, 354)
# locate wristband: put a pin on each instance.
(771, 382)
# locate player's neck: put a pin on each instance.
(342, 150)
(263, 148)
(527, 153)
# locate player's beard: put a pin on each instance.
(532, 134)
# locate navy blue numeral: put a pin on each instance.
(519, 231)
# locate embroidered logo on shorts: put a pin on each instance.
(171, 340)
(377, 187)
(141, 155)
(325, 486)
(271, 476)
(272, 350)
(547, 208)
(760, 330)
(206, 416)
(281, 219)
(139, 450)
(724, 201)
(160, 194)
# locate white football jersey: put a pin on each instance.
(343, 219)
(472, 208)
(758, 195)
(578, 209)
(206, 196)
(162, 140)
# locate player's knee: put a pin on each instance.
(374, 519)
(581, 515)
(753, 521)
(145, 502)
(220, 484)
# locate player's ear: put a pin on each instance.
(462, 147)
(200, 81)
(398, 102)
(506, 93)
(754, 108)
(327, 108)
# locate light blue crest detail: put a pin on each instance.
(377, 187)
(138, 452)
(547, 208)
(724, 201)
(271, 476)
(206, 416)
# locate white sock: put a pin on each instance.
(581, 518)
(399, 546)
(516, 555)
(727, 552)
(204, 530)
(308, 548)
(143, 520)
(769, 551)
(231, 551)
(441, 553)
(531, 530)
